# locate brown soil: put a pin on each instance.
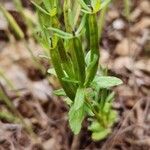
(125, 50)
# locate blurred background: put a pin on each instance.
(32, 118)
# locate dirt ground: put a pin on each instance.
(125, 50)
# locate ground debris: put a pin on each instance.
(124, 50)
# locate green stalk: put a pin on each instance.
(68, 60)
(127, 4)
(11, 106)
(94, 47)
(87, 33)
(79, 65)
(96, 114)
(59, 56)
(55, 57)
(15, 27)
(7, 116)
(101, 21)
(67, 15)
(65, 60)
(94, 42)
(76, 12)
(9, 83)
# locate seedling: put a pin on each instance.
(73, 45)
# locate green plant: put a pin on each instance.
(5, 78)
(15, 116)
(14, 26)
(74, 50)
(8, 116)
(127, 4)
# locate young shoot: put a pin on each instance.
(86, 88)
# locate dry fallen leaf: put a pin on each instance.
(145, 6)
(143, 64)
(122, 48)
(112, 14)
(121, 64)
(41, 90)
(135, 14)
(143, 23)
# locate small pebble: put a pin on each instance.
(118, 24)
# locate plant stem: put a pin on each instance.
(96, 114)
(9, 117)
(76, 142)
(15, 27)
(127, 9)
(11, 106)
(101, 21)
(9, 83)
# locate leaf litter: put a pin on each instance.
(125, 55)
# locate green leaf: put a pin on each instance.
(105, 3)
(68, 88)
(61, 33)
(85, 11)
(98, 132)
(66, 79)
(107, 107)
(82, 25)
(90, 73)
(79, 98)
(47, 4)
(88, 58)
(96, 5)
(96, 136)
(95, 127)
(110, 97)
(90, 93)
(68, 101)
(40, 8)
(60, 92)
(76, 13)
(75, 119)
(53, 12)
(105, 82)
(52, 71)
(43, 35)
(83, 4)
(68, 18)
(9, 117)
(94, 2)
(44, 56)
(88, 110)
(12, 22)
(113, 117)
(78, 60)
